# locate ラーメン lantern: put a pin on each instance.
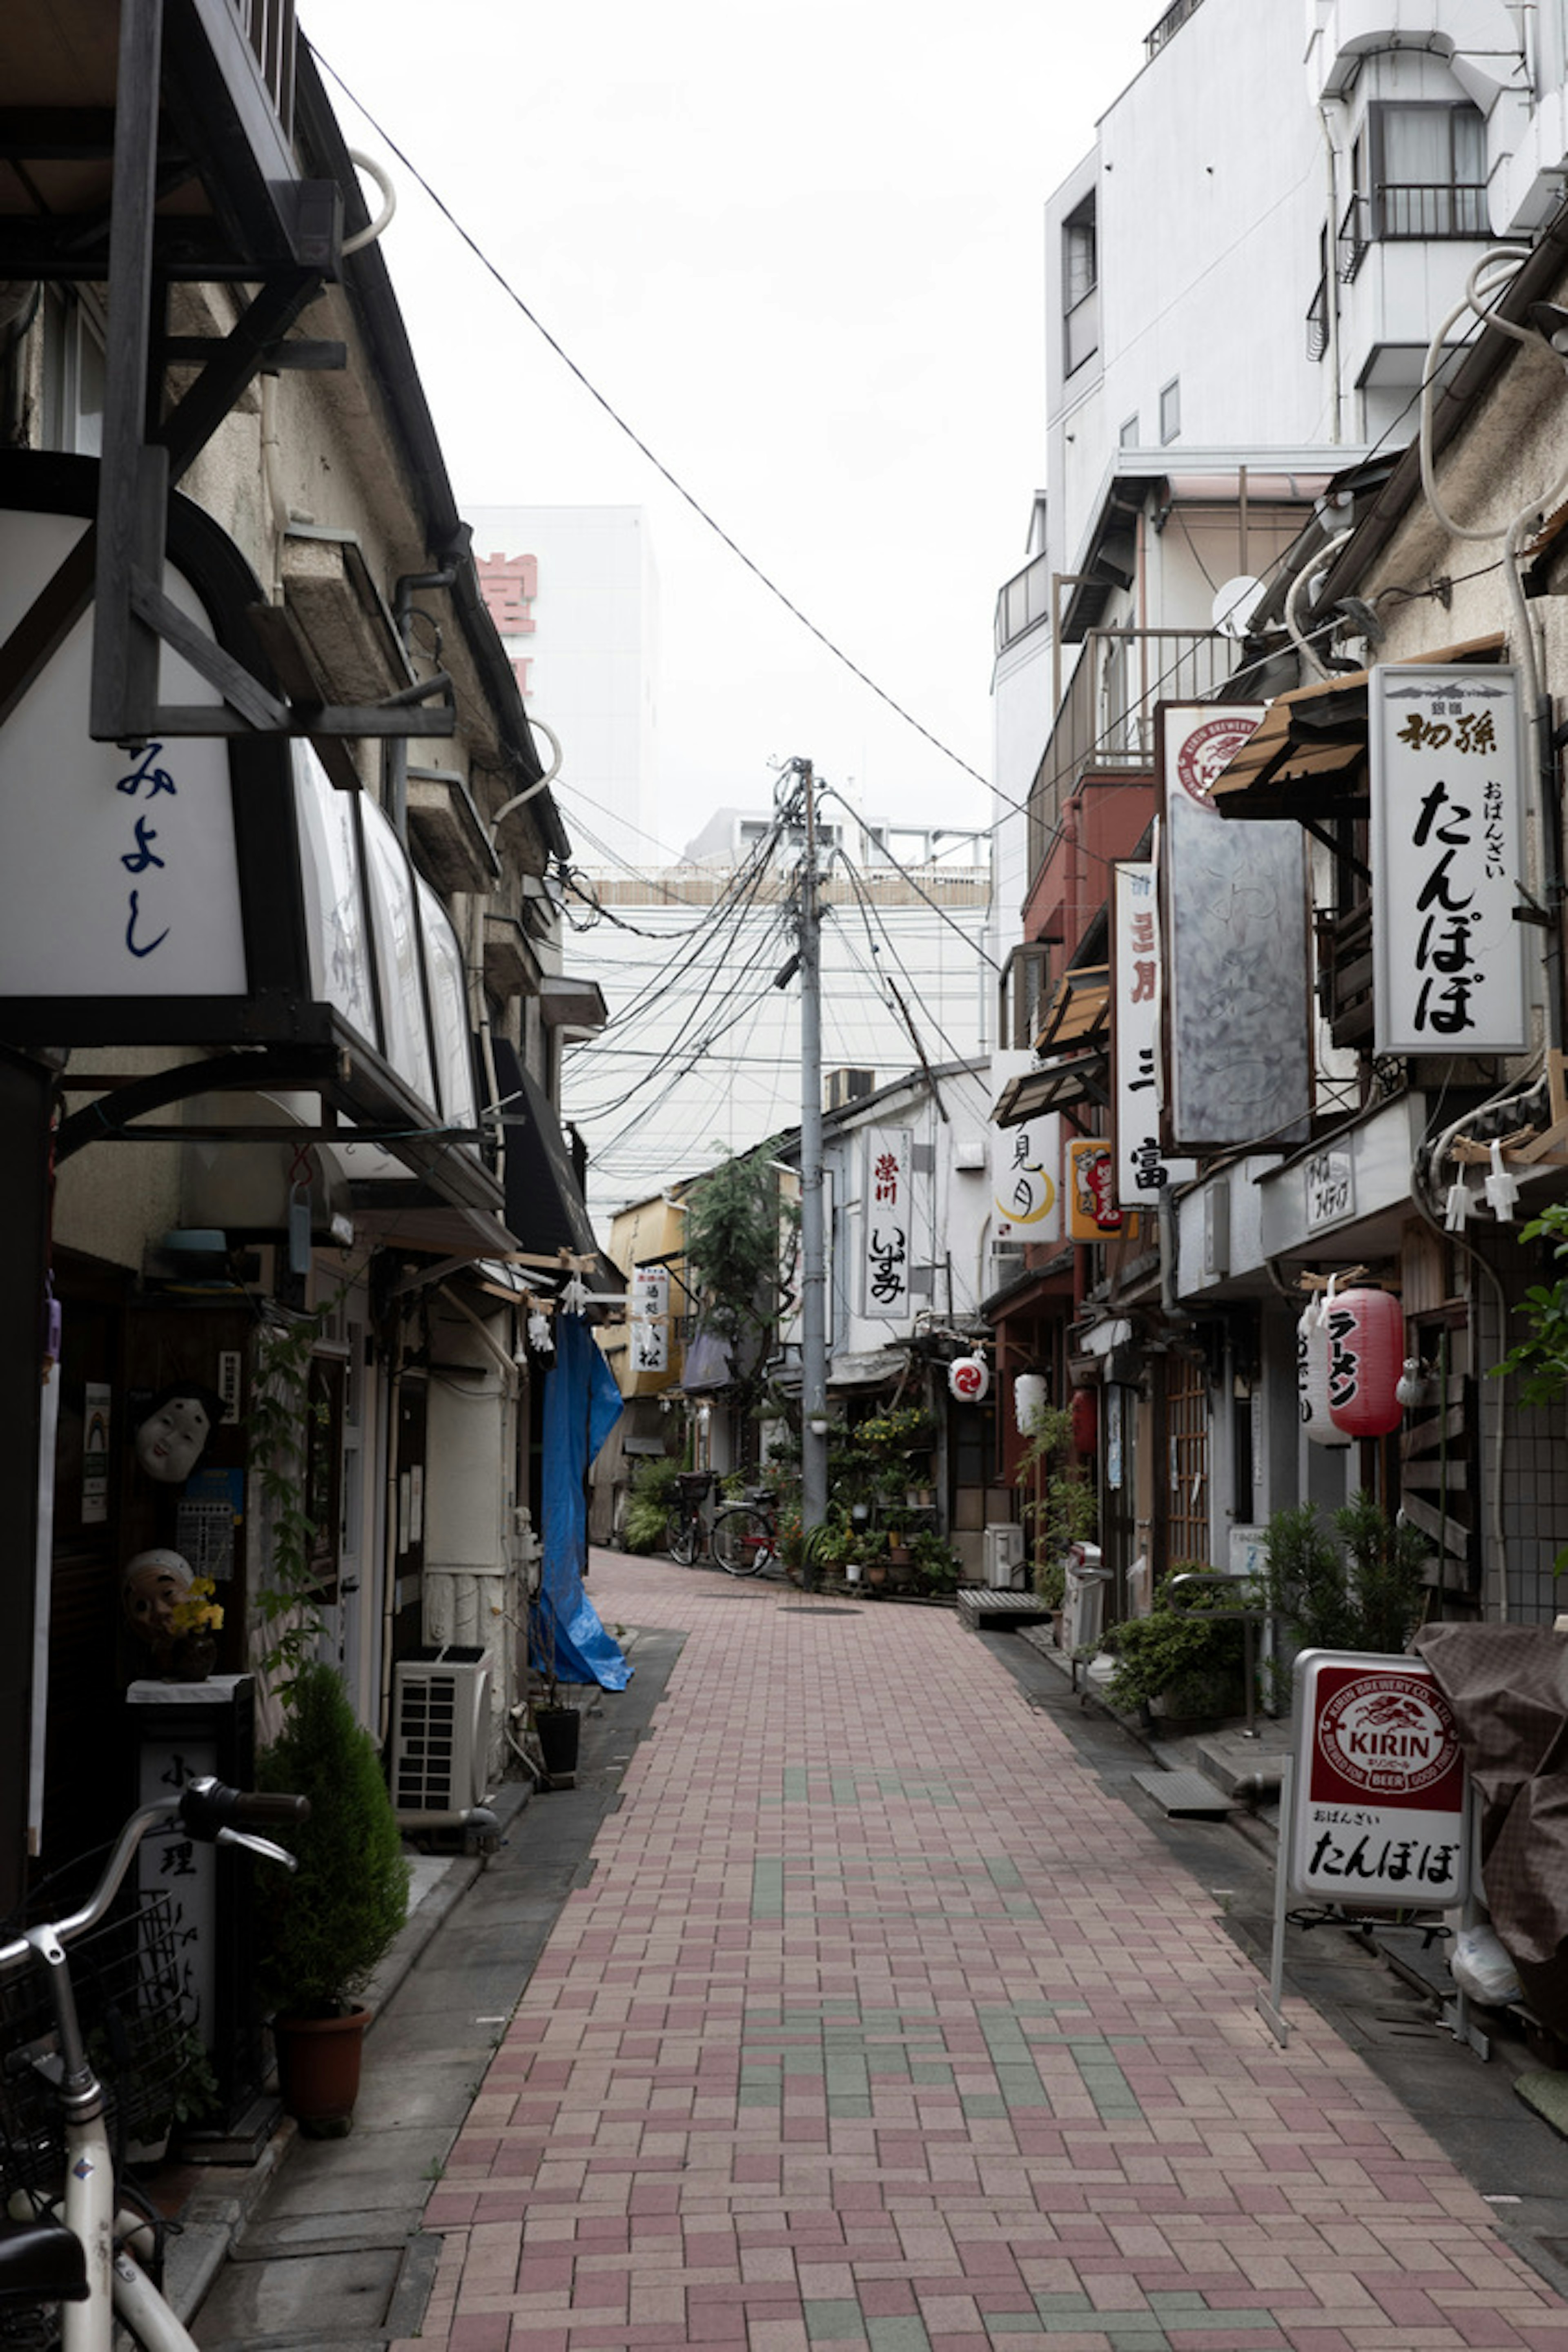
(1366, 1353)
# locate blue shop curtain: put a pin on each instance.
(582, 1405)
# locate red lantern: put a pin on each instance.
(1083, 1417)
(1366, 1355)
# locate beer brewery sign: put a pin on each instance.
(1379, 1785)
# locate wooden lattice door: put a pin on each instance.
(1186, 1513)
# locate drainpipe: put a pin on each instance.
(1332, 279)
(397, 748)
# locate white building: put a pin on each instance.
(701, 1050)
(574, 593)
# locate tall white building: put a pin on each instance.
(574, 591)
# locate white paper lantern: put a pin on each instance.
(1028, 1401)
(969, 1378)
(1312, 1377)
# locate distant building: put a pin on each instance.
(575, 595)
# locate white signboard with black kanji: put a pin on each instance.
(888, 1224)
(1448, 858)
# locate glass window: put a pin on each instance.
(1169, 411)
(1128, 436)
(1430, 167)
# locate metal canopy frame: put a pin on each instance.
(190, 102)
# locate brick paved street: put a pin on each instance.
(881, 2023)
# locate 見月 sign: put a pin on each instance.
(1448, 856)
(1379, 1814)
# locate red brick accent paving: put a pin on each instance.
(881, 2023)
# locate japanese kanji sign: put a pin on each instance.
(1448, 853)
(651, 1318)
(1026, 1180)
(1379, 1784)
(887, 1224)
(1143, 1171)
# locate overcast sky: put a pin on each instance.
(800, 251)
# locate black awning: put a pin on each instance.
(544, 1203)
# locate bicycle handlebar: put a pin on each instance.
(202, 1808)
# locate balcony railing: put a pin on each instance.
(1402, 213)
(1168, 26)
(1106, 719)
(268, 27)
(1317, 321)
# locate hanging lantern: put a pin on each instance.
(1028, 1401)
(969, 1378)
(1312, 1377)
(1365, 1330)
(1083, 1415)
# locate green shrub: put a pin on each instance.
(1189, 1654)
(1364, 1591)
(650, 1499)
(329, 1923)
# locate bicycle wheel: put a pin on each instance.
(681, 1539)
(742, 1540)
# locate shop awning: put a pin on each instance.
(1079, 1011)
(1083, 1078)
(1308, 758)
(867, 1369)
(544, 1203)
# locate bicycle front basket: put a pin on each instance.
(135, 2021)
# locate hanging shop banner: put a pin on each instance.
(888, 1224)
(651, 1318)
(1026, 1180)
(1237, 974)
(1378, 1810)
(1143, 1170)
(1092, 1212)
(1447, 851)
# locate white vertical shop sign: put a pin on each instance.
(1448, 853)
(887, 1224)
(651, 1318)
(1143, 1171)
(1026, 1180)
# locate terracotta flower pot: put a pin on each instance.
(318, 2063)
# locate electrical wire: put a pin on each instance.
(636, 441)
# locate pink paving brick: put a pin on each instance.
(661, 2136)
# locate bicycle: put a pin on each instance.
(744, 1541)
(81, 2252)
(686, 1529)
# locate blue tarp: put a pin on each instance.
(582, 1405)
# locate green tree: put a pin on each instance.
(740, 1251)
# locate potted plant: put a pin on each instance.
(337, 1915)
(937, 1565)
(1182, 1660)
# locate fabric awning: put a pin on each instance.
(1308, 758)
(1066, 1083)
(866, 1370)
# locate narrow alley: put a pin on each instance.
(880, 2022)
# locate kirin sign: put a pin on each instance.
(1379, 1813)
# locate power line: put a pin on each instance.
(658, 463)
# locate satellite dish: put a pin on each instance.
(1234, 603)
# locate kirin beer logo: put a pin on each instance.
(1389, 1733)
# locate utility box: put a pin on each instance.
(1003, 1554)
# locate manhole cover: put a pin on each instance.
(816, 1609)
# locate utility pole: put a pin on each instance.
(813, 1253)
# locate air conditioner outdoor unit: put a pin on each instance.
(441, 1711)
(1003, 1554)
